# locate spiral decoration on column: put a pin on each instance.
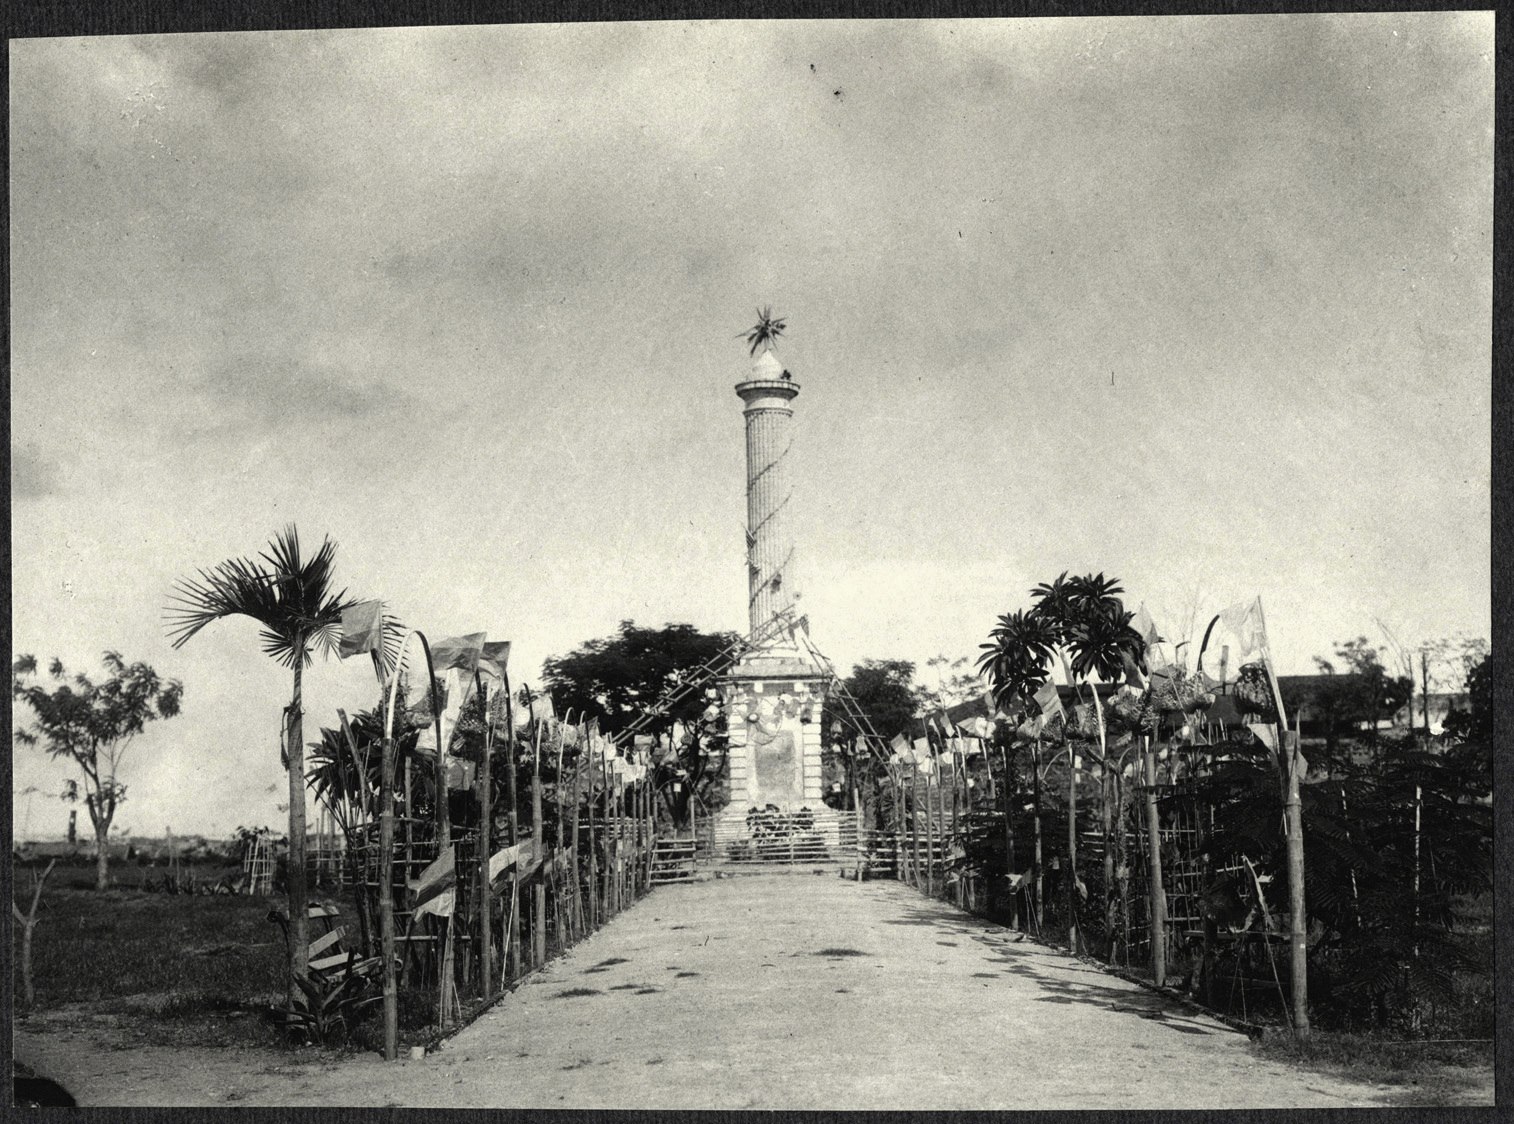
(770, 545)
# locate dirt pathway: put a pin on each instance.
(787, 992)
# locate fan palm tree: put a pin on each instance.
(292, 597)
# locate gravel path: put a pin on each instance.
(806, 992)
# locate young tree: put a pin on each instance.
(295, 600)
(92, 724)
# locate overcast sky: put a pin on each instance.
(1204, 303)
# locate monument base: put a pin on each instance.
(773, 703)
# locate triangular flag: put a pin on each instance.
(1147, 627)
(362, 629)
(1265, 733)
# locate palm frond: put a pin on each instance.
(289, 596)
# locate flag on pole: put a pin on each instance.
(540, 707)
(461, 652)
(1147, 627)
(362, 629)
(1265, 733)
(1050, 701)
(493, 659)
(1244, 621)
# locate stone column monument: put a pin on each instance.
(773, 696)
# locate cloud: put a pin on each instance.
(33, 475)
(273, 391)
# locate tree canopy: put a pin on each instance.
(92, 724)
(885, 691)
(616, 678)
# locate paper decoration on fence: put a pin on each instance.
(979, 727)
(1050, 702)
(432, 881)
(440, 906)
(460, 774)
(503, 860)
(362, 629)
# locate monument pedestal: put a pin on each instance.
(773, 703)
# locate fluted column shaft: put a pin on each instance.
(770, 542)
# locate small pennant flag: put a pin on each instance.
(362, 629)
(1147, 627)
(1265, 734)
(461, 652)
(1050, 701)
(899, 743)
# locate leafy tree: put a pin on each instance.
(1366, 695)
(1469, 733)
(92, 724)
(1015, 659)
(295, 600)
(618, 678)
(885, 691)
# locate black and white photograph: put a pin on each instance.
(754, 564)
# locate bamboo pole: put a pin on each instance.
(1293, 822)
(586, 756)
(1418, 800)
(578, 918)
(510, 778)
(485, 905)
(1009, 838)
(1036, 796)
(1072, 847)
(538, 919)
(386, 898)
(1157, 894)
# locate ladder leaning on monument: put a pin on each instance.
(702, 676)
